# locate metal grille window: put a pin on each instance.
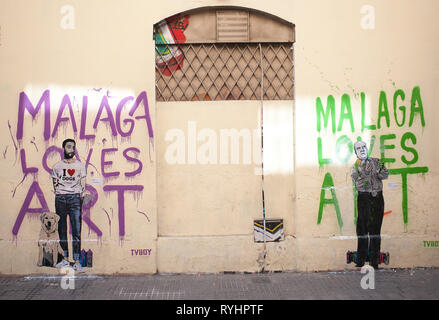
(229, 63)
(225, 71)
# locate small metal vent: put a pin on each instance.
(232, 26)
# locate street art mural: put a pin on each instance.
(49, 245)
(169, 32)
(367, 174)
(404, 110)
(117, 117)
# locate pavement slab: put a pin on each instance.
(389, 284)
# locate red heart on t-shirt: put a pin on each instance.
(71, 172)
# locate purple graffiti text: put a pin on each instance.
(121, 202)
(114, 122)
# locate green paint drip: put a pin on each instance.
(346, 113)
(416, 100)
(384, 147)
(404, 172)
(330, 112)
(328, 183)
(372, 143)
(404, 138)
(363, 115)
(383, 112)
(399, 93)
(322, 161)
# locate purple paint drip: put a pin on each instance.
(139, 169)
(24, 167)
(15, 189)
(33, 190)
(33, 142)
(142, 97)
(87, 162)
(107, 163)
(25, 104)
(120, 106)
(65, 102)
(109, 118)
(82, 134)
(13, 140)
(49, 151)
(121, 202)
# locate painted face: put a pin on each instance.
(360, 150)
(69, 150)
(49, 222)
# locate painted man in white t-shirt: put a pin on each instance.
(68, 176)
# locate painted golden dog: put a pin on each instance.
(48, 241)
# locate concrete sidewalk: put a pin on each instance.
(419, 283)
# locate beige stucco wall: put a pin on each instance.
(199, 218)
(206, 210)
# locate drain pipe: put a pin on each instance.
(262, 153)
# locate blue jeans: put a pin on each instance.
(69, 204)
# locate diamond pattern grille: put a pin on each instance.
(224, 71)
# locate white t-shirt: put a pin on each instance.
(69, 176)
